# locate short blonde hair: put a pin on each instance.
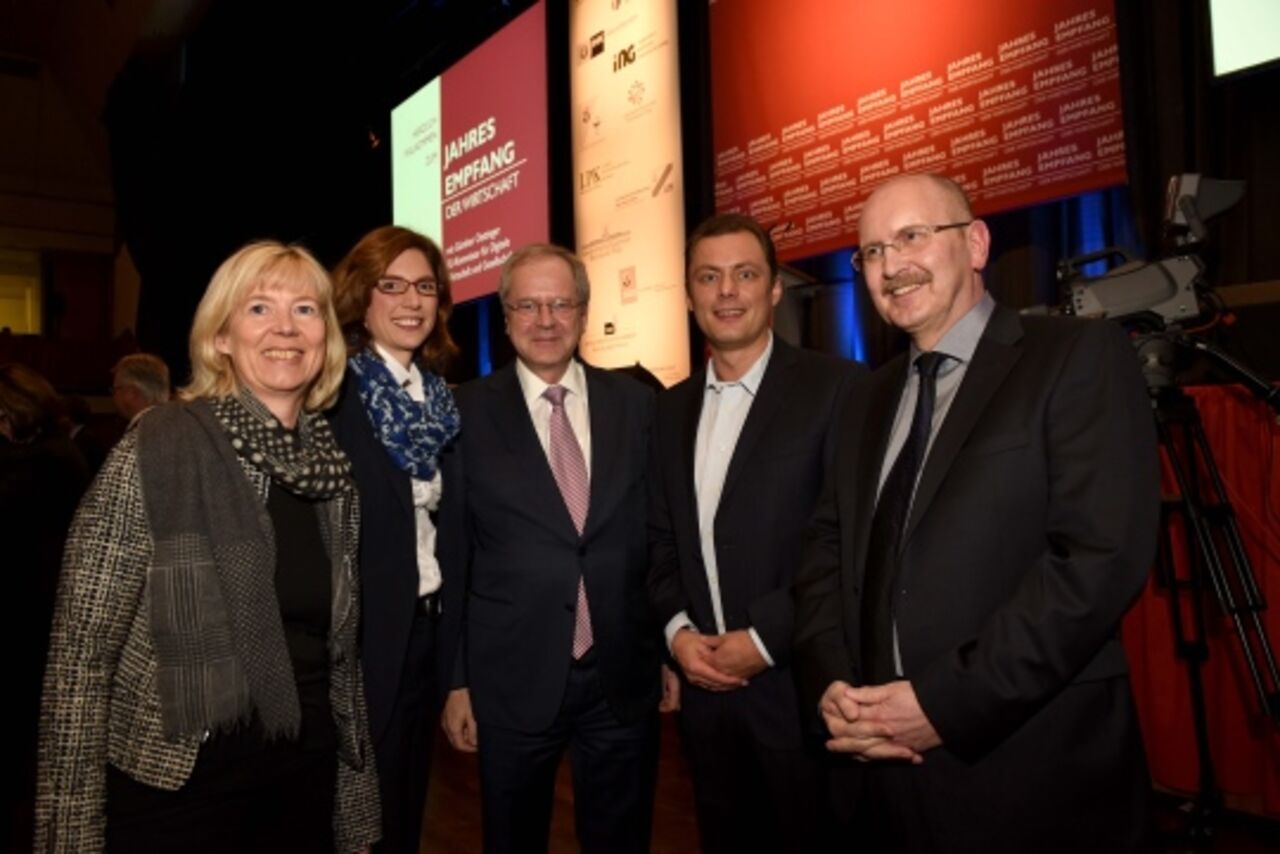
(264, 265)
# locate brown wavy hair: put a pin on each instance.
(357, 274)
(29, 401)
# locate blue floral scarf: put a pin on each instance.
(413, 433)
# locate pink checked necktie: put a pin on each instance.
(570, 471)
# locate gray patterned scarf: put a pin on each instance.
(307, 463)
(215, 621)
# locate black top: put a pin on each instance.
(304, 588)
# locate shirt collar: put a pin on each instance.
(961, 340)
(403, 376)
(532, 385)
(751, 379)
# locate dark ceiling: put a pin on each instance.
(229, 120)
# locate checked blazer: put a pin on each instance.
(101, 703)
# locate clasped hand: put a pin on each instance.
(717, 662)
(877, 722)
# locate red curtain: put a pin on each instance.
(1245, 744)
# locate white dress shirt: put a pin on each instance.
(725, 406)
(426, 493)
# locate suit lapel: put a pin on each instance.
(690, 412)
(769, 398)
(401, 483)
(996, 355)
(513, 422)
(607, 450)
(396, 477)
(882, 406)
(370, 448)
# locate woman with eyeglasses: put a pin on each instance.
(203, 692)
(395, 419)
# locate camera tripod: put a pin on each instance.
(1216, 558)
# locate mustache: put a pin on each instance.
(906, 277)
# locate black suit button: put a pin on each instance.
(582, 551)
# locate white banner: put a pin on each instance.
(629, 192)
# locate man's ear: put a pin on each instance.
(979, 240)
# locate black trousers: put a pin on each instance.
(279, 800)
(614, 765)
(748, 796)
(1053, 787)
(403, 751)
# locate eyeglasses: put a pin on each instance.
(394, 286)
(908, 241)
(531, 308)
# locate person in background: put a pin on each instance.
(395, 418)
(87, 433)
(203, 691)
(139, 381)
(42, 475)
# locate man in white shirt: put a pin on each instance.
(560, 650)
(739, 455)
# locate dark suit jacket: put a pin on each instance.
(771, 486)
(1032, 530)
(389, 562)
(524, 556)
